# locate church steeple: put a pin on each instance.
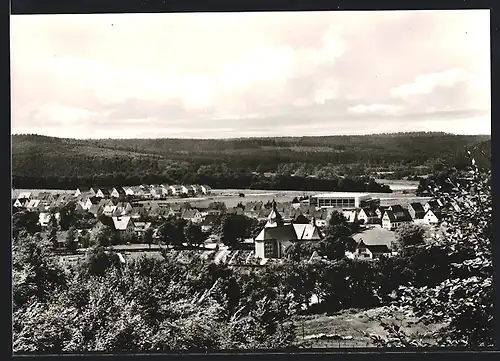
(274, 219)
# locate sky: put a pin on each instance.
(224, 75)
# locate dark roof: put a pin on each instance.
(396, 208)
(281, 233)
(379, 249)
(369, 212)
(375, 248)
(417, 207)
(209, 220)
(402, 216)
(120, 190)
(300, 219)
(433, 204)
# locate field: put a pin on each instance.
(353, 327)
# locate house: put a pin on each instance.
(141, 227)
(321, 218)
(118, 192)
(396, 208)
(351, 215)
(84, 190)
(166, 191)
(44, 218)
(157, 192)
(109, 209)
(368, 216)
(21, 202)
(192, 215)
(102, 193)
(123, 225)
(24, 195)
(300, 219)
(371, 251)
(205, 189)
(95, 209)
(175, 190)
(208, 222)
(123, 208)
(63, 199)
(138, 212)
(196, 189)
(33, 205)
(433, 216)
(186, 190)
(380, 211)
(89, 202)
(416, 210)
(276, 236)
(393, 220)
(432, 204)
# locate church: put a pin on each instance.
(276, 235)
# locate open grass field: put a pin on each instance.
(352, 327)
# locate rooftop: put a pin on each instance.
(342, 194)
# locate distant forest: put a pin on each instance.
(344, 163)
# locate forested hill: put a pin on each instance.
(55, 162)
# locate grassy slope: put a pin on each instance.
(358, 324)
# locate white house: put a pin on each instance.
(368, 216)
(44, 218)
(192, 215)
(123, 224)
(432, 217)
(206, 189)
(102, 193)
(117, 192)
(393, 220)
(33, 205)
(141, 227)
(371, 251)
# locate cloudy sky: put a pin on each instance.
(217, 75)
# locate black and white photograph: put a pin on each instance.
(251, 181)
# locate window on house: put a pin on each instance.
(270, 249)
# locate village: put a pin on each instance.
(132, 211)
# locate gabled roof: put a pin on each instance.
(433, 204)
(189, 213)
(379, 249)
(282, 233)
(300, 219)
(396, 208)
(417, 207)
(121, 223)
(33, 203)
(370, 212)
(119, 189)
(438, 214)
(94, 209)
(104, 191)
(307, 232)
(402, 216)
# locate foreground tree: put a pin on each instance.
(463, 302)
(409, 235)
(193, 234)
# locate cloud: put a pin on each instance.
(374, 108)
(245, 73)
(427, 83)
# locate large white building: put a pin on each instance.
(344, 200)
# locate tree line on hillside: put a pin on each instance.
(42, 160)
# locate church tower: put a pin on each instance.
(274, 219)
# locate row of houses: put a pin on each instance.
(394, 216)
(145, 191)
